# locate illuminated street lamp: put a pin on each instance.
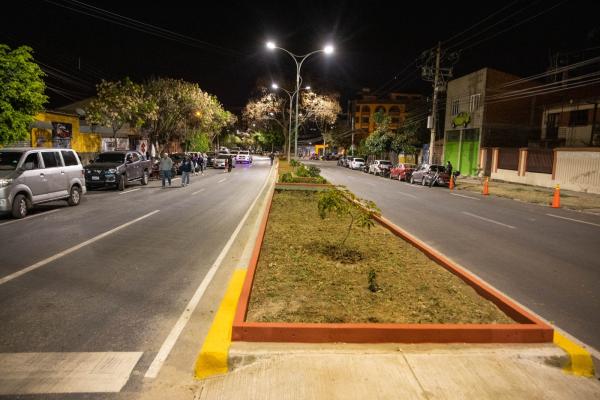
(291, 96)
(299, 60)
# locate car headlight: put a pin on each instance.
(112, 171)
(5, 182)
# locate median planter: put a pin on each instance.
(386, 286)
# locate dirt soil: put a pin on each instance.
(300, 277)
(533, 194)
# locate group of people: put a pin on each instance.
(190, 165)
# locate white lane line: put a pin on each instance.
(222, 180)
(574, 220)
(407, 195)
(198, 191)
(72, 249)
(417, 186)
(129, 191)
(466, 197)
(30, 217)
(69, 372)
(170, 341)
(488, 220)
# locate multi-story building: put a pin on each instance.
(478, 115)
(396, 105)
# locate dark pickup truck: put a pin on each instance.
(117, 168)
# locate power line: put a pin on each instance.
(108, 16)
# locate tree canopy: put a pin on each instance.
(22, 94)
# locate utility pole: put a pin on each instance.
(438, 75)
(351, 114)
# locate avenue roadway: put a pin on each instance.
(126, 265)
(546, 259)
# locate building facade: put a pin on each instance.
(396, 105)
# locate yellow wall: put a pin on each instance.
(370, 126)
(80, 142)
(319, 147)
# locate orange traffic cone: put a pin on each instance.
(486, 190)
(556, 198)
(451, 183)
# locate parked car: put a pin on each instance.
(402, 171)
(425, 173)
(221, 161)
(380, 167)
(118, 169)
(357, 163)
(365, 167)
(347, 161)
(177, 161)
(33, 176)
(210, 156)
(243, 156)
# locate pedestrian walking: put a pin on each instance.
(201, 163)
(165, 167)
(449, 168)
(271, 157)
(186, 169)
(195, 164)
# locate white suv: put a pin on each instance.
(357, 163)
(30, 176)
(243, 156)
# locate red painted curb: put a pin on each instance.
(528, 329)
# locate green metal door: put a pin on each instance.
(462, 149)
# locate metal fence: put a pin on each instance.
(508, 158)
(540, 160)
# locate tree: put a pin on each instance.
(119, 103)
(323, 110)
(22, 94)
(405, 140)
(270, 111)
(380, 140)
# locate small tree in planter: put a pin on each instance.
(341, 203)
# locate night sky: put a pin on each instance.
(376, 42)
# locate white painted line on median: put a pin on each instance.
(170, 341)
(129, 191)
(222, 180)
(30, 217)
(488, 220)
(198, 191)
(72, 249)
(466, 197)
(574, 220)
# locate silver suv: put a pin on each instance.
(33, 176)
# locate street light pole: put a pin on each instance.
(299, 60)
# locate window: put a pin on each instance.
(395, 120)
(578, 118)
(364, 120)
(365, 109)
(51, 159)
(69, 158)
(454, 107)
(474, 102)
(32, 161)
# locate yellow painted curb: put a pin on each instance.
(581, 363)
(212, 359)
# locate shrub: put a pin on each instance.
(301, 170)
(314, 171)
(334, 201)
(294, 163)
(287, 177)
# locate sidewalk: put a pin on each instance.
(296, 371)
(579, 201)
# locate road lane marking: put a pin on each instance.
(573, 219)
(407, 194)
(72, 249)
(30, 217)
(68, 372)
(488, 220)
(129, 191)
(198, 191)
(222, 180)
(169, 342)
(466, 197)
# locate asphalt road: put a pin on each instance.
(125, 291)
(547, 259)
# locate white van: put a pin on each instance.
(30, 176)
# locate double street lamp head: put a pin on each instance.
(328, 49)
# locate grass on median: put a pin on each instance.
(383, 279)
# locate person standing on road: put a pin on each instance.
(186, 169)
(201, 163)
(165, 167)
(449, 168)
(271, 157)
